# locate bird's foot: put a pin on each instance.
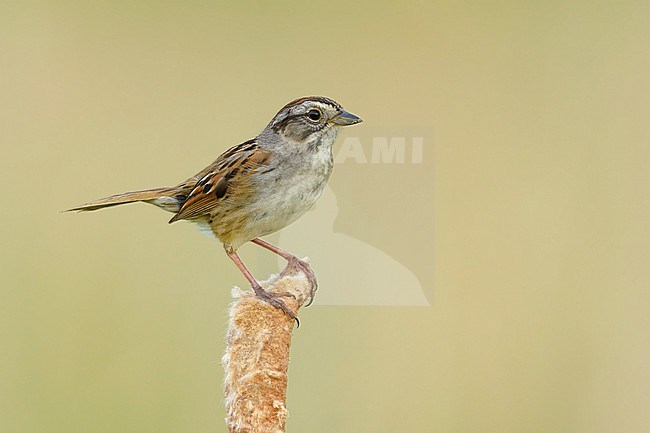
(296, 264)
(274, 299)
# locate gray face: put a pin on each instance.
(307, 120)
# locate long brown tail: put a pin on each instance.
(166, 195)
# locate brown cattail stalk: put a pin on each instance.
(257, 356)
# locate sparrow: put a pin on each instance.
(257, 187)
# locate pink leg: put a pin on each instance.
(271, 298)
(293, 261)
(280, 252)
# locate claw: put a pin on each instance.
(293, 262)
(274, 300)
(304, 267)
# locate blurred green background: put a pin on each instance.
(537, 210)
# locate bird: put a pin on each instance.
(257, 187)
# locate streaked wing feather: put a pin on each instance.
(220, 177)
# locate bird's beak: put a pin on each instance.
(344, 119)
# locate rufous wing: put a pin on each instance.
(227, 176)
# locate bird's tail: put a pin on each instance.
(161, 197)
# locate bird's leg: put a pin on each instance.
(293, 262)
(271, 298)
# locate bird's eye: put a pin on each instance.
(314, 115)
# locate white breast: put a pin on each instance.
(287, 192)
